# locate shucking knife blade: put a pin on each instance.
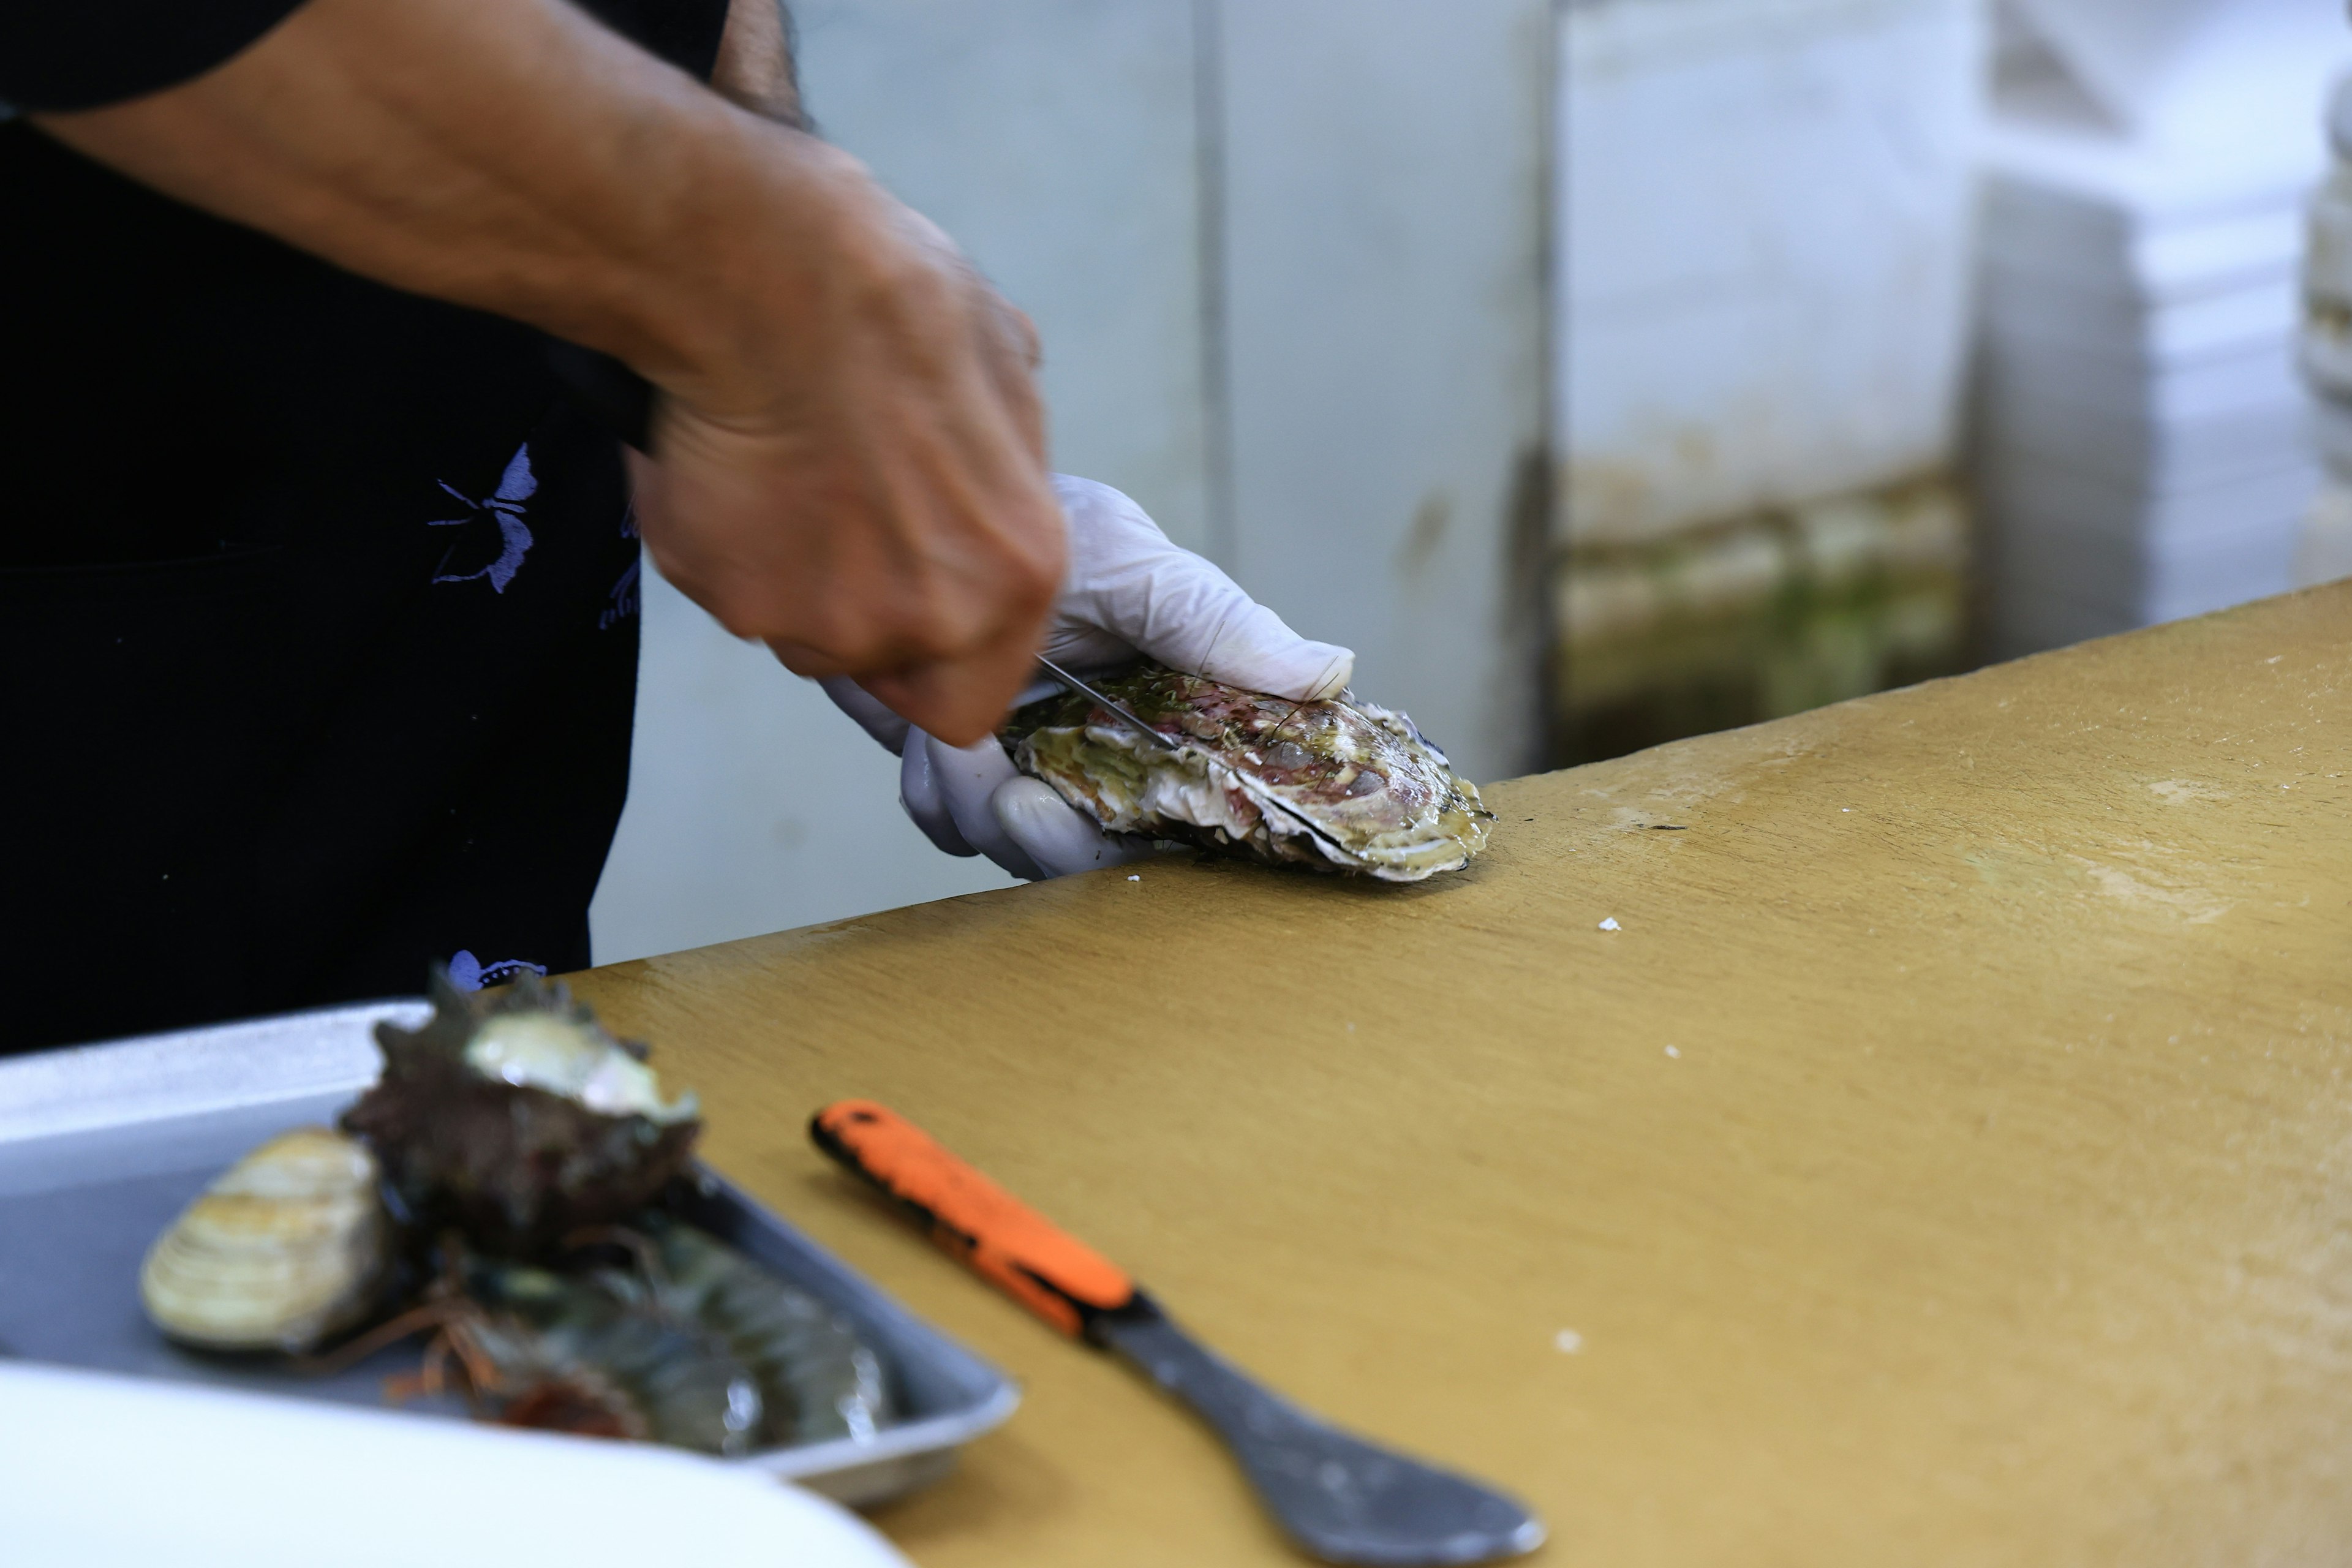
(1342, 1498)
(1110, 703)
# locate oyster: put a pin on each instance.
(513, 1116)
(288, 1246)
(1336, 784)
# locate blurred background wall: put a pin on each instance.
(1603, 371)
(1765, 216)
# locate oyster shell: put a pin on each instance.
(1336, 784)
(286, 1247)
(512, 1115)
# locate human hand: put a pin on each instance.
(1129, 590)
(878, 509)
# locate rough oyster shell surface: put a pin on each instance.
(286, 1247)
(1339, 784)
(514, 1116)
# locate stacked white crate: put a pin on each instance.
(2144, 449)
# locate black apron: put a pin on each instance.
(318, 610)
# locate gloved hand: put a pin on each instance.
(1129, 590)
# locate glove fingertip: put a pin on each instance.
(920, 798)
(1339, 669)
(1051, 832)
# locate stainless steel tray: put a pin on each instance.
(100, 1145)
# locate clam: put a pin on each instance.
(1340, 785)
(284, 1249)
(514, 1117)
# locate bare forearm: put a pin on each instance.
(507, 155)
(851, 450)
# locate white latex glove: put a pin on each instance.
(1129, 591)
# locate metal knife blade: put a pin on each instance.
(1342, 1499)
(1082, 689)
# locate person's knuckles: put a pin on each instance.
(982, 577)
(804, 661)
(944, 617)
(961, 701)
(863, 609)
(917, 532)
(902, 634)
(902, 579)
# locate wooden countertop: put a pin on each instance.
(1949, 1160)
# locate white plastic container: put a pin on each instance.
(97, 1470)
(2144, 448)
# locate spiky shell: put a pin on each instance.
(1338, 785)
(513, 1116)
(284, 1249)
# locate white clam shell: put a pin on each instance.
(285, 1247)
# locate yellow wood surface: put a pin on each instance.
(1948, 1161)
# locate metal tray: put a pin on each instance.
(101, 1145)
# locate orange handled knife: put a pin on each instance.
(1340, 1497)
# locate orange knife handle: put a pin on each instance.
(1007, 1242)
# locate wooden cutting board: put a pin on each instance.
(1948, 1158)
